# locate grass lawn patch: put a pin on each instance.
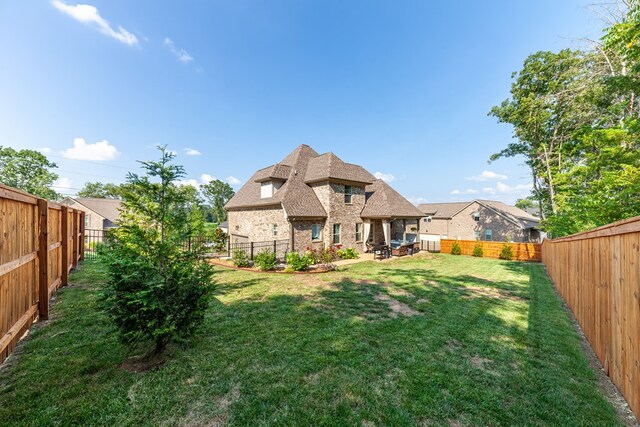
(439, 340)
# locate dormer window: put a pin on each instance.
(269, 188)
(348, 193)
(476, 216)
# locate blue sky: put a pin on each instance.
(400, 87)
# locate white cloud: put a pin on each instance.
(467, 191)
(386, 177)
(89, 15)
(206, 178)
(192, 152)
(181, 54)
(233, 180)
(44, 150)
(63, 185)
(101, 150)
(487, 176)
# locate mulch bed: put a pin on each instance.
(221, 263)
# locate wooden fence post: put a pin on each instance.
(43, 259)
(64, 227)
(82, 231)
(74, 240)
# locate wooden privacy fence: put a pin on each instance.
(521, 251)
(597, 274)
(40, 242)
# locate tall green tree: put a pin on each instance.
(159, 286)
(217, 193)
(575, 116)
(100, 190)
(28, 170)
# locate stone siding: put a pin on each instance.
(93, 221)
(463, 226)
(331, 195)
(256, 225)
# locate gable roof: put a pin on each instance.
(106, 208)
(295, 197)
(304, 166)
(329, 166)
(511, 213)
(382, 201)
(443, 210)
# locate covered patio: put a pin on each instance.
(391, 223)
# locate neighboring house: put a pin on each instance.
(317, 200)
(478, 220)
(224, 226)
(101, 214)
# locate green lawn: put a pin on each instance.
(415, 341)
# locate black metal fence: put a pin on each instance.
(212, 248)
(92, 238)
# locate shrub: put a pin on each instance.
(266, 260)
(297, 262)
(506, 252)
(240, 258)
(156, 288)
(477, 250)
(348, 253)
(314, 255)
(219, 239)
(456, 249)
(328, 255)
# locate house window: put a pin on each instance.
(348, 193)
(359, 232)
(336, 234)
(266, 189)
(275, 230)
(476, 216)
(427, 219)
(316, 232)
(476, 234)
(86, 220)
(488, 234)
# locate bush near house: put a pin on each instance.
(266, 260)
(297, 262)
(240, 258)
(347, 253)
(456, 249)
(477, 250)
(506, 252)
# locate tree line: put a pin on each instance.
(31, 171)
(575, 121)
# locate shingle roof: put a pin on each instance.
(512, 213)
(303, 166)
(525, 219)
(297, 198)
(106, 208)
(443, 210)
(382, 201)
(330, 166)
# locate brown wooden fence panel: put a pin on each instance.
(598, 275)
(521, 251)
(31, 262)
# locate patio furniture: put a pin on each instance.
(381, 252)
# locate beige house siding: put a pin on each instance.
(93, 221)
(464, 227)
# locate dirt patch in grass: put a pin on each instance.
(138, 364)
(397, 307)
(472, 292)
(482, 364)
